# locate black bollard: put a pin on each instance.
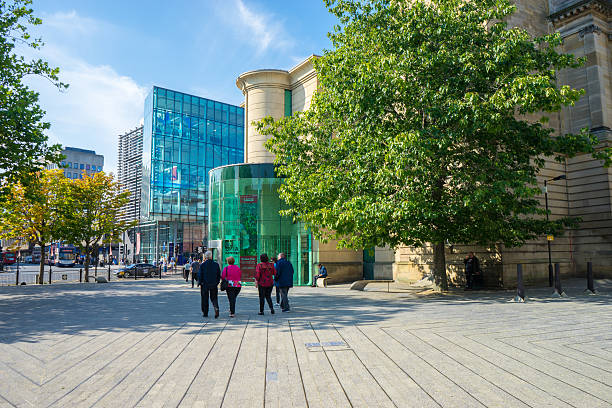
(17, 277)
(159, 267)
(50, 273)
(109, 271)
(81, 275)
(558, 290)
(590, 285)
(550, 275)
(520, 286)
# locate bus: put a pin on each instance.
(66, 256)
(9, 258)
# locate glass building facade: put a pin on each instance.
(184, 137)
(245, 221)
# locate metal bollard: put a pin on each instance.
(109, 271)
(520, 286)
(550, 275)
(81, 275)
(159, 267)
(590, 286)
(50, 273)
(17, 277)
(558, 290)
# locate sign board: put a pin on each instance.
(64, 277)
(550, 238)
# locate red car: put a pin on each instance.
(9, 258)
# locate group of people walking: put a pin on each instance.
(210, 278)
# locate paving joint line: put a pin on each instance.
(397, 365)
(235, 359)
(298, 363)
(169, 365)
(203, 361)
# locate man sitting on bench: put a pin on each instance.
(322, 274)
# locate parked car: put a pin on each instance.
(144, 270)
(28, 259)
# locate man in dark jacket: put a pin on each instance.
(284, 278)
(472, 267)
(208, 279)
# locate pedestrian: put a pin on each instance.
(186, 270)
(195, 271)
(264, 280)
(233, 275)
(209, 278)
(284, 277)
(322, 274)
(276, 289)
(472, 267)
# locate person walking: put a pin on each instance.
(264, 280)
(208, 279)
(322, 274)
(186, 269)
(284, 277)
(276, 289)
(472, 267)
(233, 275)
(195, 271)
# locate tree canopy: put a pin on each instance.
(93, 212)
(22, 128)
(31, 211)
(418, 134)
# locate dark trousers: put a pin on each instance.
(284, 298)
(277, 294)
(265, 293)
(205, 294)
(232, 294)
(469, 279)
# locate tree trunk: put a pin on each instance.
(41, 270)
(439, 267)
(87, 263)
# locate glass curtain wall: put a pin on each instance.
(245, 221)
(185, 137)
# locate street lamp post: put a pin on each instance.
(550, 267)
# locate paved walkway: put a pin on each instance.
(146, 344)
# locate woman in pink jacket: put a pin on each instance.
(233, 275)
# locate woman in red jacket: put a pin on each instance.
(233, 275)
(264, 280)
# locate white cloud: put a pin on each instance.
(99, 104)
(263, 31)
(71, 23)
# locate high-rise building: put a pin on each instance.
(184, 136)
(79, 160)
(129, 171)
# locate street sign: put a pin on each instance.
(550, 238)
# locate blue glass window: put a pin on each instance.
(99, 168)
(69, 165)
(76, 165)
(87, 166)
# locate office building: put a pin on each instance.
(129, 171)
(184, 137)
(78, 161)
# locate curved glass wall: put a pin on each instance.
(244, 221)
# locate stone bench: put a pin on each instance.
(361, 284)
(322, 282)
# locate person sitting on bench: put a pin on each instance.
(322, 274)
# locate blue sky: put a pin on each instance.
(111, 52)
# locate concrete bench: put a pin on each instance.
(361, 284)
(322, 282)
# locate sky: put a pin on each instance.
(112, 52)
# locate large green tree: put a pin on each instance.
(93, 213)
(418, 132)
(22, 128)
(31, 211)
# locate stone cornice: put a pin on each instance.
(603, 7)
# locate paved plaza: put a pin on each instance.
(144, 343)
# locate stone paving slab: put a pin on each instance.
(145, 344)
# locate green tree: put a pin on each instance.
(418, 132)
(31, 211)
(92, 214)
(22, 127)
